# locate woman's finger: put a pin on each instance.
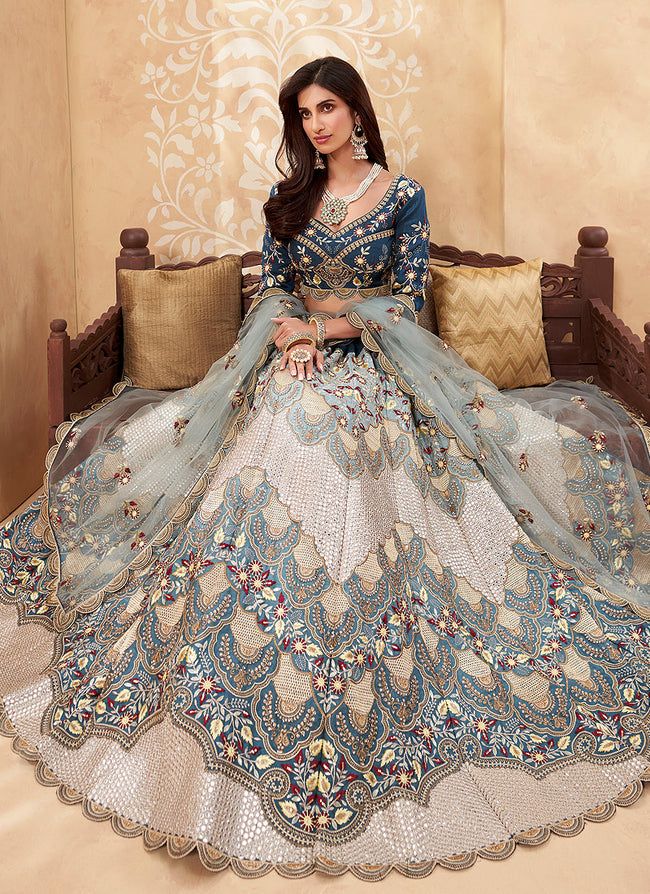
(292, 367)
(320, 361)
(309, 368)
(283, 362)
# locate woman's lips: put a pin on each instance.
(322, 139)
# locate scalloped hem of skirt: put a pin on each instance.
(215, 860)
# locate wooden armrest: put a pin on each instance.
(82, 371)
(623, 358)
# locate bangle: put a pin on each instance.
(298, 337)
(320, 332)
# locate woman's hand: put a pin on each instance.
(289, 326)
(299, 368)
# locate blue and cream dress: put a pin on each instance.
(349, 650)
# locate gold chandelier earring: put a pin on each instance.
(358, 139)
(319, 164)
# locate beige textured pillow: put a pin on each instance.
(493, 317)
(178, 322)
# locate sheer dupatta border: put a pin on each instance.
(62, 618)
(639, 421)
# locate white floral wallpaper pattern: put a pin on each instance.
(213, 74)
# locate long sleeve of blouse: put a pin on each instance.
(411, 247)
(277, 267)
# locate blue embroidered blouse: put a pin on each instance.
(382, 252)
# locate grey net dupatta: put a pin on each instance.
(568, 462)
(123, 475)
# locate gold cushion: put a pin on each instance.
(493, 317)
(178, 322)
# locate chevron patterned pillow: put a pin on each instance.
(493, 317)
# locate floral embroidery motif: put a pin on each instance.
(237, 399)
(71, 440)
(231, 357)
(123, 475)
(131, 509)
(586, 529)
(523, 462)
(180, 425)
(139, 541)
(598, 441)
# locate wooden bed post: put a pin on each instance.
(59, 376)
(596, 264)
(134, 254)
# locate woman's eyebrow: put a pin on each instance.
(321, 103)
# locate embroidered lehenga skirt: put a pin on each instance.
(345, 650)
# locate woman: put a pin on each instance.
(342, 604)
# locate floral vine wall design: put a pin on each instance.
(214, 73)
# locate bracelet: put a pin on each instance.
(320, 332)
(298, 337)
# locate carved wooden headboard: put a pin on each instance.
(584, 337)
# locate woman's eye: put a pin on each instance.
(326, 108)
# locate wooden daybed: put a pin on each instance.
(584, 338)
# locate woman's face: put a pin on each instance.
(324, 114)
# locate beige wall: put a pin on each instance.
(577, 135)
(123, 72)
(109, 114)
(524, 121)
(35, 231)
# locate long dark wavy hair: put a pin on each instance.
(290, 211)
